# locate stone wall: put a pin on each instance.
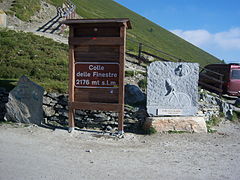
(56, 112)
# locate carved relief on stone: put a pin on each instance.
(172, 86)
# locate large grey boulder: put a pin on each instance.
(134, 96)
(172, 88)
(25, 103)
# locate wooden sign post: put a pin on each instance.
(96, 66)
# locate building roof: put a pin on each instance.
(71, 22)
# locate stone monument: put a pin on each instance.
(172, 88)
(25, 103)
(172, 97)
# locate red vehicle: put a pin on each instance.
(231, 77)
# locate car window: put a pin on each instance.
(235, 74)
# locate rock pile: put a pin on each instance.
(56, 113)
(212, 105)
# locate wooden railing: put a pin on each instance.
(62, 13)
(211, 80)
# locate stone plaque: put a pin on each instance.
(96, 75)
(25, 103)
(172, 88)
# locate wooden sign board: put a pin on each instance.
(96, 75)
(96, 66)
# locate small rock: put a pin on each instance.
(46, 100)
(63, 112)
(63, 103)
(54, 118)
(58, 106)
(80, 112)
(237, 102)
(48, 111)
(89, 151)
(53, 96)
(108, 128)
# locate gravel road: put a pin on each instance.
(39, 153)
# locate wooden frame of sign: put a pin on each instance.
(96, 66)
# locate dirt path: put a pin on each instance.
(46, 13)
(39, 153)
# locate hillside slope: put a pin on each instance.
(143, 30)
(40, 58)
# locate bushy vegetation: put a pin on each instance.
(41, 59)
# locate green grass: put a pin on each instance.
(41, 59)
(129, 73)
(150, 131)
(24, 9)
(236, 116)
(214, 121)
(143, 30)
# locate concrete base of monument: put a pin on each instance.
(185, 124)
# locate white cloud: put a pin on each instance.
(228, 40)
(197, 37)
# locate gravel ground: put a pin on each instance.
(40, 153)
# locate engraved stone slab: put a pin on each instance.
(172, 88)
(25, 103)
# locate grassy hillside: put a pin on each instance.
(24, 9)
(45, 61)
(41, 59)
(143, 30)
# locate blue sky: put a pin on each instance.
(212, 25)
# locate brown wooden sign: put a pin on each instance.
(96, 66)
(96, 75)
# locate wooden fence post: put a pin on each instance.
(139, 50)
